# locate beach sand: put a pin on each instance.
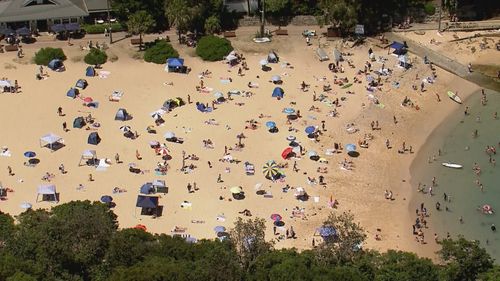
(29, 115)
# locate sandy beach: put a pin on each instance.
(28, 115)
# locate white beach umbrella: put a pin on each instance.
(263, 62)
(125, 128)
(169, 135)
(156, 115)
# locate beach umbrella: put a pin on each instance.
(162, 151)
(289, 111)
(156, 115)
(276, 217)
(350, 147)
(291, 138)
(312, 153)
(286, 153)
(263, 62)
(25, 205)
(23, 31)
(235, 190)
(106, 199)
(88, 99)
(141, 227)
(310, 129)
(125, 128)
(270, 169)
(169, 135)
(6, 31)
(219, 228)
(276, 78)
(29, 154)
(271, 124)
(218, 95)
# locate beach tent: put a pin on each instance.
(79, 122)
(55, 64)
(48, 192)
(147, 188)
(321, 54)
(231, 58)
(147, 202)
(160, 186)
(81, 83)
(94, 138)
(278, 93)
(404, 61)
(174, 65)
(72, 93)
(172, 103)
(51, 141)
(88, 156)
(90, 71)
(122, 115)
(337, 55)
(399, 48)
(272, 57)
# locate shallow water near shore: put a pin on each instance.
(454, 137)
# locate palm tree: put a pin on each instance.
(179, 14)
(140, 22)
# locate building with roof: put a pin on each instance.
(42, 14)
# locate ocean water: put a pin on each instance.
(458, 145)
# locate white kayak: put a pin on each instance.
(452, 165)
(454, 97)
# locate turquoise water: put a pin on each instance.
(458, 145)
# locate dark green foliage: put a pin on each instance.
(125, 8)
(79, 241)
(99, 28)
(429, 8)
(464, 259)
(213, 48)
(95, 57)
(45, 55)
(158, 52)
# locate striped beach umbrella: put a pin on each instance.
(270, 169)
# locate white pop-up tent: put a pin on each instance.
(48, 192)
(88, 155)
(52, 141)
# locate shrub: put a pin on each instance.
(95, 57)
(158, 52)
(212, 25)
(99, 28)
(213, 48)
(429, 8)
(45, 55)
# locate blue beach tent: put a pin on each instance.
(55, 64)
(94, 138)
(173, 64)
(278, 93)
(81, 83)
(72, 93)
(90, 72)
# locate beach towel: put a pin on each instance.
(104, 74)
(225, 81)
(206, 90)
(6, 153)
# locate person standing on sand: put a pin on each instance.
(117, 158)
(137, 155)
(59, 111)
(9, 169)
(65, 126)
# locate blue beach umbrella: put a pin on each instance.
(310, 129)
(350, 147)
(289, 111)
(106, 199)
(219, 228)
(271, 124)
(29, 154)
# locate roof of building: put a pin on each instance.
(97, 5)
(24, 10)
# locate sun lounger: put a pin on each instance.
(228, 34)
(135, 41)
(281, 32)
(11, 48)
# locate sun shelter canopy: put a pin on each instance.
(147, 202)
(89, 154)
(175, 62)
(49, 190)
(397, 45)
(49, 140)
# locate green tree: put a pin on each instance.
(179, 14)
(45, 55)
(278, 8)
(21, 276)
(248, 239)
(139, 23)
(155, 268)
(343, 247)
(6, 227)
(212, 25)
(213, 48)
(159, 51)
(125, 8)
(342, 14)
(464, 259)
(490, 275)
(128, 247)
(95, 57)
(402, 266)
(286, 265)
(217, 261)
